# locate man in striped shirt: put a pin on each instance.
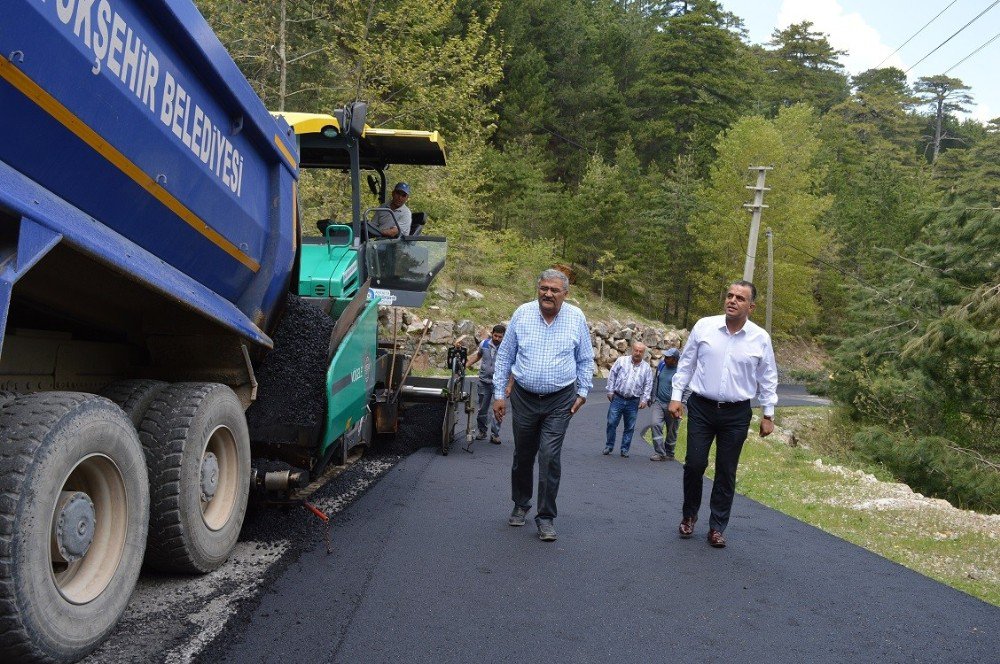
(629, 385)
(547, 351)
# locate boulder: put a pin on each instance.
(473, 294)
(600, 328)
(416, 327)
(651, 336)
(444, 293)
(441, 332)
(622, 345)
(625, 333)
(464, 326)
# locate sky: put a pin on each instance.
(870, 30)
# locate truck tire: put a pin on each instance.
(133, 396)
(198, 456)
(67, 457)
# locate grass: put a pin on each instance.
(864, 506)
(498, 303)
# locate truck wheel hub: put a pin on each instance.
(209, 476)
(75, 522)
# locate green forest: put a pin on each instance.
(615, 136)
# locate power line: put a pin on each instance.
(915, 34)
(976, 18)
(988, 42)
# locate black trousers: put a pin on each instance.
(539, 423)
(728, 427)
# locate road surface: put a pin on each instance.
(425, 569)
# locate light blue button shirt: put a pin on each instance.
(545, 357)
(728, 367)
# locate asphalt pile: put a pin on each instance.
(291, 381)
(419, 426)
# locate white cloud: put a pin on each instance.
(983, 113)
(846, 32)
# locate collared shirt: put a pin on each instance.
(630, 379)
(728, 367)
(545, 357)
(487, 358)
(384, 221)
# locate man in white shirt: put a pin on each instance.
(629, 385)
(727, 361)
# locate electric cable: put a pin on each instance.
(987, 43)
(914, 35)
(974, 19)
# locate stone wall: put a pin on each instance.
(610, 338)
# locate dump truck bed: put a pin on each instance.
(132, 116)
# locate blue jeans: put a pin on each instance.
(629, 408)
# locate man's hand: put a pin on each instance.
(676, 410)
(576, 405)
(499, 408)
(611, 397)
(766, 426)
(642, 404)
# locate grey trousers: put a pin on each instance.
(485, 414)
(663, 422)
(539, 422)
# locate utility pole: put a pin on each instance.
(755, 208)
(770, 280)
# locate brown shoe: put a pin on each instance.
(686, 529)
(716, 539)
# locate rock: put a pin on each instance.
(651, 336)
(444, 293)
(621, 345)
(625, 333)
(600, 328)
(441, 332)
(613, 355)
(416, 327)
(464, 327)
(473, 294)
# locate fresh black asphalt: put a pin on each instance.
(425, 569)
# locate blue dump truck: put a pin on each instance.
(165, 321)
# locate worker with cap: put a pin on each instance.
(664, 424)
(395, 219)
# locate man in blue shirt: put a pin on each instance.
(664, 424)
(487, 352)
(547, 351)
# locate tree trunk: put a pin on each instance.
(937, 129)
(282, 59)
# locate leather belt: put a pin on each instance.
(721, 404)
(622, 396)
(546, 395)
